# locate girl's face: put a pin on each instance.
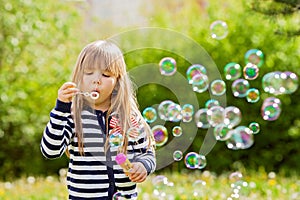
(102, 82)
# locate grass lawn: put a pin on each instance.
(186, 185)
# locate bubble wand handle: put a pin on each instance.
(122, 160)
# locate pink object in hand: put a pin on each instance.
(122, 160)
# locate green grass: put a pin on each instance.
(257, 185)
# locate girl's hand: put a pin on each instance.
(138, 172)
(67, 91)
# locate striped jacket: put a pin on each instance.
(95, 175)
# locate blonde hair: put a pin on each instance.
(107, 56)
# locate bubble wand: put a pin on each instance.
(92, 95)
(123, 161)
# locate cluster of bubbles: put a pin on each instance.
(225, 121)
(237, 184)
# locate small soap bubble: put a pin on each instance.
(201, 118)
(193, 71)
(160, 134)
(233, 116)
(222, 132)
(271, 109)
(219, 30)
(202, 161)
(240, 87)
(174, 112)
(177, 131)
(192, 160)
(149, 114)
(254, 127)
(118, 196)
(187, 112)
(167, 66)
(116, 139)
(241, 138)
(177, 155)
(199, 189)
(253, 95)
(160, 184)
(251, 71)
(200, 83)
(211, 102)
(254, 56)
(215, 115)
(218, 87)
(133, 133)
(232, 71)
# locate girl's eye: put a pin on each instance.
(88, 73)
(106, 75)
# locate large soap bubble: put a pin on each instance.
(241, 138)
(193, 71)
(271, 109)
(240, 87)
(254, 56)
(160, 134)
(232, 71)
(167, 66)
(219, 29)
(201, 118)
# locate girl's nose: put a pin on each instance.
(97, 82)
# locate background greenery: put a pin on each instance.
(40, 41)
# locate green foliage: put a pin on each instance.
(37, 46)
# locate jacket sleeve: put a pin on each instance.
(144, 148)
(58, 132)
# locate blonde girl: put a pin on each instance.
(97, 106)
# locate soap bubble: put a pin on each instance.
(254, 127)
(250, 71)
(211, 102)
(241, 138)
(290, 82)
(232, 71)
(160, 184)
(240, 87)
(160, 134)
(133, 133)
(163, 109)
(222, 132)
(174, 112)
(218, 87)
(253, 95)
(167, 66)
(201, 118)
(116, 139)
(280, 82)
(215, 115)
(118, 196)
(149, 114)
(233, 116)
(177, 155)
(271, 109)
(187, 112)
(254, 56)
(194, 161)
(219, 30)
(199, 188)
(193, 71)
(200, 83)
(177, 131)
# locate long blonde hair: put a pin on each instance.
(107, 56)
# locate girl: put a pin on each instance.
(91, 123)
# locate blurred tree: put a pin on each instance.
(286, 13)
(37, 49)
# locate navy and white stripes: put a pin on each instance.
(95, 175)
